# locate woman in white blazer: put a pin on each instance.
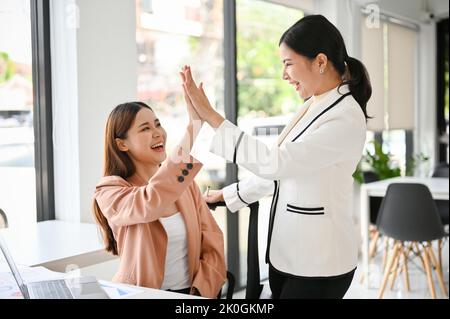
(312, 244)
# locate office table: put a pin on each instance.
(55, 244)
(10, 290)
(44, 250)
(438, 187)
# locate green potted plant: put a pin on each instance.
(379, 163)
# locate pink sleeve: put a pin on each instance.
(124, 204)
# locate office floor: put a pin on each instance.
(417, 278)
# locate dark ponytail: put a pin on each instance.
(314, 34)
(359, 83)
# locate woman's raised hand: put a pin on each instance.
(199, 100)
(193, 115)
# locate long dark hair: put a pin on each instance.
(116, 162)
(314, 34)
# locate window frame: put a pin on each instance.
(42, 109)
(231, 109)
(441, 124)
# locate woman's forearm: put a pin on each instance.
(215, 120)
(191, 133)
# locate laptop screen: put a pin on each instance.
(13, 267)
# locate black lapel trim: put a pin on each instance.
(322, 113)
(236, 147)
(273, 209)
(239, 195)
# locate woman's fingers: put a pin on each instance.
(214, 196)
(193, 91)
(197, 96)
(202, 90)
(186, 96)
(183, 77)
(189, 75)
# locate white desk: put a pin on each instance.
(437, 186)
(55, 244)
(10, 290)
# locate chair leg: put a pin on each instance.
(361, 279)
(418, 253)
(440, 254)
(372, 250)
(405, 269)
(395, 266)
(373, 244)
(429, 274)
(388, 270)
(385, 253)
(410, 249)
(440, 276)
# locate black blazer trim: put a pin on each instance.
(239, 195)
(236, 147)
(273, 211)
(305, 208)
(305, 213)
(322, 113)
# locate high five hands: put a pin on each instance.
(193, 115)
(195, 97)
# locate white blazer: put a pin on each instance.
(311, 232)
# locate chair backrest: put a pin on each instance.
(408, 213)
(253, 287)
(230, 290)
(441, 170)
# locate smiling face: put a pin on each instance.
(301, 72)
(145, 141)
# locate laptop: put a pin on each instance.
(72, 288)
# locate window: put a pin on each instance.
(389, 52)
(17, 169)
(265, 101)
(177, 33)
(26, 154)
(442, 94)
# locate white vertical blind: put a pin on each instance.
(389, 53)
(402, 44)
(373, 59)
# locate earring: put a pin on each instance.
(321, 71)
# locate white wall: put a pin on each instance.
(426, 134)
(93, 74)
(66, 154)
